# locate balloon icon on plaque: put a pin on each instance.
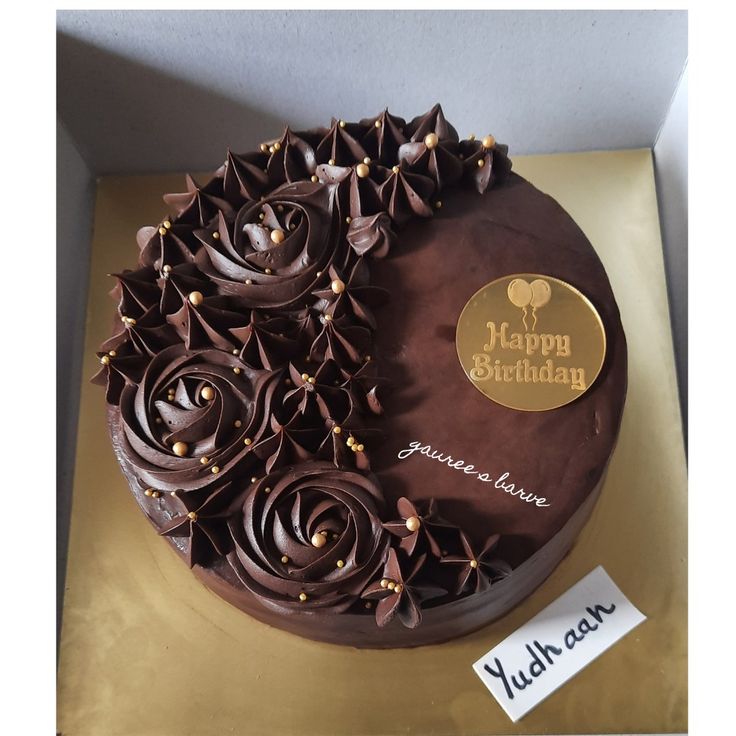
(520, 295)
(541, 294)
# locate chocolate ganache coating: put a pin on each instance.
(286, 403)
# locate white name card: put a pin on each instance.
(557, 643)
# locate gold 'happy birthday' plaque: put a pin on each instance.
(530, 342)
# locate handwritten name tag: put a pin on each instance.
(557, 643)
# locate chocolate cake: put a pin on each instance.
(287, 399)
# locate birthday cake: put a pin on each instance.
(366, 381)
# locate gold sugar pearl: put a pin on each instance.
(354, 448)
(359, 448)
(391, 585)
(172, 493)
(159, 420)
(249, 281)
(208, 393)
(318, 540)
(305, 376)
(331, 162)
(337, 286)
(156, 494)
(235, 352)
(253, 479)
(112, 353)
(279, 208)
(216, 235)
(277, 236)
(261, 216)
(315, 178)
(413, 523)
(105, 360)
(292, 226)
(312, 380)
(166, 268)
(438, 204)
(384, 583)
(271, 149)
(192, 515)
(342, 123)
(350, 441)
(377, 124)
(366, 160)
(268, 272)
(237, 423)
(196, 298)
(395, 169)
(284, 559)
(337, 430)
(236, 371)
(473, 564)
(319, 273)
(148, 492)
(180, 448)
(215, 469)
(481, 163)
(362, 170)
(341, 563)
(267, 489)
(302, 597)
(398, 588)
(471, 137)
(162, 230)
(247, 441)
(264, 148)
(277, 146)
(348, 220)
(368, 604)
(488, 141)
(167, 224)
(204, 460)
(431, 140)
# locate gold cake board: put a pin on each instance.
(147, 650)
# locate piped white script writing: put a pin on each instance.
(501, 483)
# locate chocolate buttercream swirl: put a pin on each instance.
(371, 235)
(309, 538)
(280, 247)
(185, 425)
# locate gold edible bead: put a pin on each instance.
(277, 236)
(362, 170)
(391, 585)
(267, 490)
(337, 286)
(249, 281)
(341, 563)
(180, 448)
(368, 604)
(438, 204)
(264, 148)
(271, 149)
(312, 380)
(331, 162)
(196, 298)
(305, 376)
(261, 216)
(156, 494)
(236, 371)
(302, 597)
(216, 235)
(315, 178)
(377, 124)
(348, 220)
(399, 587)
(481, 163)
(148, 492)
(237, 423)
(162, 230)
(192, 515)
(318, 540)
(268, 271)
(474, 564)
(277, 146)
(350, 441)
(342, 123)
(167, 224)
(384, 583)
(395, 169)
(360, 447)
(166, 268)
(413, 523)
(337, 430)
(431, 140)
(366, 160)
(247, 441)
(208, 393)
(488, 141)
(204, 460)
(112, 353)
(105, 360)
(471, 137)
(215, 469)
(284, 559)
(253, 479)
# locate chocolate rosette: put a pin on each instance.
(193, 419)
(309, 538)
(279, 248)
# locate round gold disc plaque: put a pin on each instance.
(530, 342)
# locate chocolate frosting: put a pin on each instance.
(252, 369)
